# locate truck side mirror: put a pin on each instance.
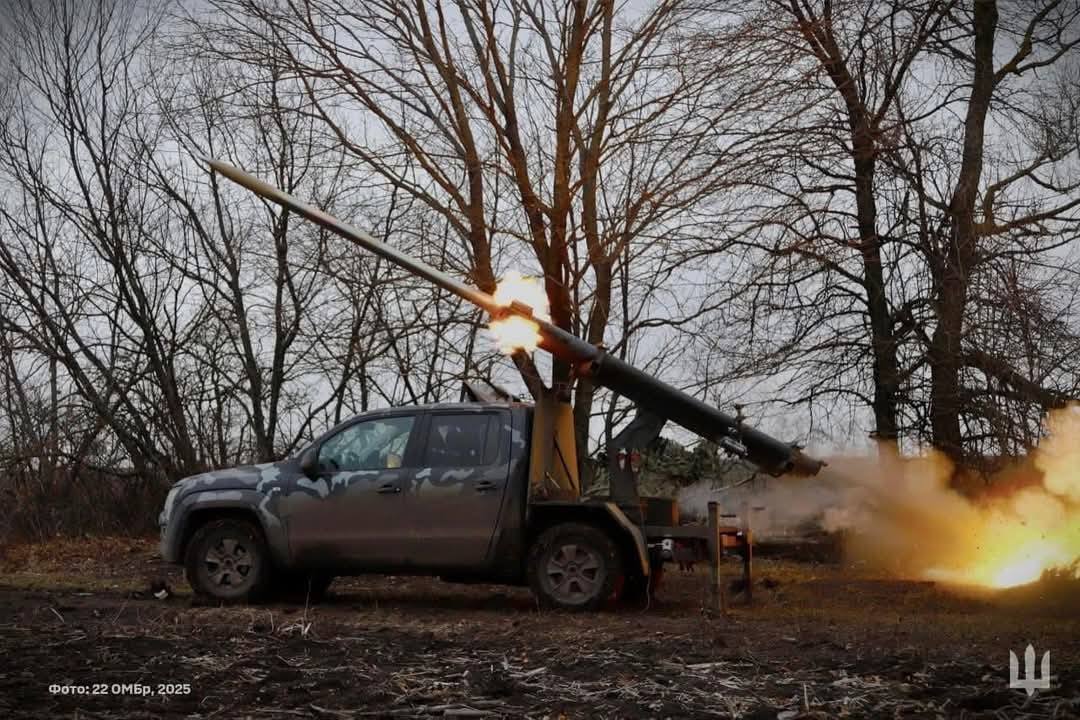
(309, 462)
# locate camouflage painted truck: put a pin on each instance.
(482, 491)
(438, 489)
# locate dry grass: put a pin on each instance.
(820, 641)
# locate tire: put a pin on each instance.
(226, 561)
(301, 587)
(573, 566)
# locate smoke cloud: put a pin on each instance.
(903, 515)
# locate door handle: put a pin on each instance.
(388, 489)
(485, 486)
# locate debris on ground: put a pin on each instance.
(817, 644)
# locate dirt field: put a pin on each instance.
(819, 641)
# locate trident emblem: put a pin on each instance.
(1029, 683)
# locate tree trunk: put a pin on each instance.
(883, 342)
(952, 272)
(818, 33)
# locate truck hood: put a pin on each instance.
(244, 477)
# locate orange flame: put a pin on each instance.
(514, 332)
(905, 516)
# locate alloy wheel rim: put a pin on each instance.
(574, 573)
(229, 564)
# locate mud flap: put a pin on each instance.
(635, 533)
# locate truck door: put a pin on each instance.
(351, 513)
(458, 490)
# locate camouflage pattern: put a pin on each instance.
(254, 487)
(437, 516)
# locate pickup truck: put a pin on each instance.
(438, 490)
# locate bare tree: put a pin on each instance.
(84, 286)
(555, 134)
(846, 66)
(850, 284)
(307, 323)
(259, 274)
(983, 218)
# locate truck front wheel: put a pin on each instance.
(573, 566)
(226, 560)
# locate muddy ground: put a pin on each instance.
(820, 640)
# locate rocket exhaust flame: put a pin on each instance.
(517, 332)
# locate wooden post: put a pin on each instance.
(716, 592)
(748, 555)
(748, 565)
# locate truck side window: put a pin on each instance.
(367, 445)
(461, 440)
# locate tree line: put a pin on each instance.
(859, 214)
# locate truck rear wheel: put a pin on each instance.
(226, 560)
(573, 566)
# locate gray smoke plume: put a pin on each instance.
(777, 507)
(905, 515)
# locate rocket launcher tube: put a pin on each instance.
(768, 453)
(361, 238)
(771, 455)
